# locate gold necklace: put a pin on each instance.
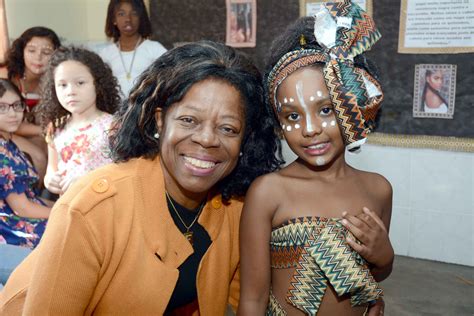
(129, 72)
(188, 234)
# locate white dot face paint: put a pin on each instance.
(319, 93)
(288, 128)
(297, 126)
(299, 93)
(285, 100)
(292, 100)
(283, 126)
(333, 123)
(311, 98)
(320, 161)
(325, 124)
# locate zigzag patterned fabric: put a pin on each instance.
(323, 255)
(349, 86)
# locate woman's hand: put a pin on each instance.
(368, 228)
(65, 183)
(52, 182)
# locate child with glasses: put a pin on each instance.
(22, 213)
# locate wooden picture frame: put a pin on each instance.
(241, 28)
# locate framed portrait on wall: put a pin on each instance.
(310, 7)
(435, 90)
(241, 23)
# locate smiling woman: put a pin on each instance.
(162, 223)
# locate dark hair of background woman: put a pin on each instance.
(6, 85)
(106, 86)
(425, 89)
(167, 81)
(145, 25)
(289, 40)
(15, 59)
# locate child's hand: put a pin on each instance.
(52, 183)
(368, 228)
(377, 309)
(65, 183)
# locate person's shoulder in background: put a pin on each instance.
(153, 47)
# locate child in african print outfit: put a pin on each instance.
(80, 96)
(22, 213)
(314, 235)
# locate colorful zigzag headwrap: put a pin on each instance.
(343, 30)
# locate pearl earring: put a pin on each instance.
(157, 135)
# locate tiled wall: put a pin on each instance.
(433, 200)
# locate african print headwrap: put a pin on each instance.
(344, 31)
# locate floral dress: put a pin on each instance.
(17, 175)
(82, 149)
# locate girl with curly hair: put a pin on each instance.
(320, 244)
(27, 61)
(80, 94)
(131, 51)
(162, 223)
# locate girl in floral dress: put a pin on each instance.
(80, 94)
(22, 213)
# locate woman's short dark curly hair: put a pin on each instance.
(168, 80)
(106, 85)
(15, 59)
(113, 32)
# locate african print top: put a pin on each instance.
(82, 149)
(316, 247)
(17, 175)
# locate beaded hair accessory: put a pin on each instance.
(343, 30)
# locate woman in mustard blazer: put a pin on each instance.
(157, 232)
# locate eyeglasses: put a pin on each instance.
(17, 106)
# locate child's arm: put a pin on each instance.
(372, 232)
(23, 207)
(255, 230)
(28, 129)
(52, 178)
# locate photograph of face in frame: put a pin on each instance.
(435, 90)
(241, 23)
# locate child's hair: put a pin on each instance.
(6, 85)
(113, 32)
(300, 35)
(106, 86)
(15, 59)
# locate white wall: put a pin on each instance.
(76, 21)
(433, 201)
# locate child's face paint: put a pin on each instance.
(307, 117)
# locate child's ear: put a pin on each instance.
(159, 117)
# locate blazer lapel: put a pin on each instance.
(161, 234)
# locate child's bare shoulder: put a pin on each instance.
(376, 183)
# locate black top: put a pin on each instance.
(185, 291)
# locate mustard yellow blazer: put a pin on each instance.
(112, 248)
